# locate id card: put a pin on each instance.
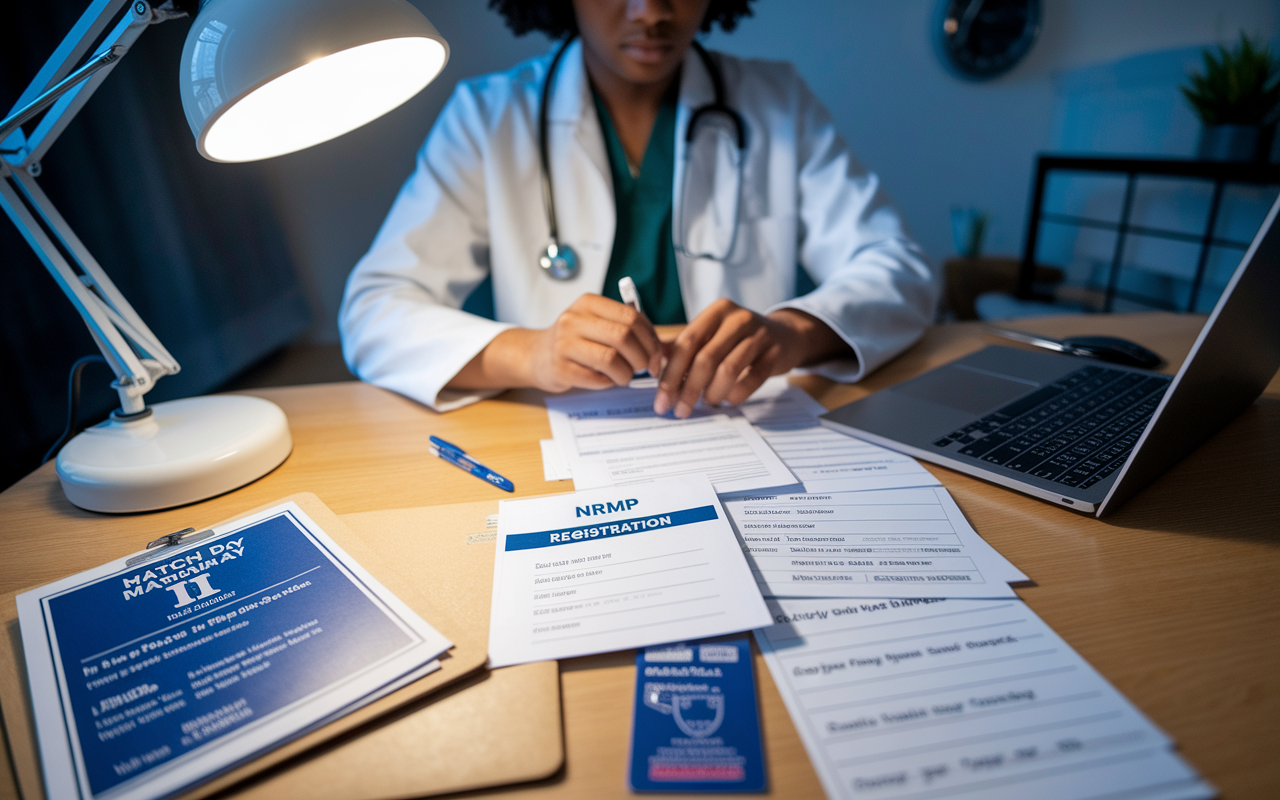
(695, 727)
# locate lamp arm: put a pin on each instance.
(133, 352)
(15, 120)
(65, 86)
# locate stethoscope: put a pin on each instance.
(559, 260)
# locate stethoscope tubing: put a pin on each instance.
(559, 261)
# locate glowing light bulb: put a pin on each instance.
(323, 99)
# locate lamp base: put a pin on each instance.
(184, 451)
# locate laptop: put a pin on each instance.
(1081, 433)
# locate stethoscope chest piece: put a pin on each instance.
(559, 261)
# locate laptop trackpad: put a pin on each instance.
(965, 389)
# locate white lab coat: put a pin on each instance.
(473, 206)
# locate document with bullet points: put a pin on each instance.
(980, 699)
(880, 543)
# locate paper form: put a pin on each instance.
(888, 543)
(554, 466)
(616, 568)
(613, 438)
(824, 460)
(959, 699)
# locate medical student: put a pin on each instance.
(719, 185)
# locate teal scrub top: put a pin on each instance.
(642, 247)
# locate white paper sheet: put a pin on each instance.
(613, 438)
(959, 699)
(554, 465)
(886, 543)
(611, 569)
(824, 460)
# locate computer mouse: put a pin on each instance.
(1116, 351)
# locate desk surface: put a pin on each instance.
(1174, 598)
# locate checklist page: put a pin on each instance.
(887, 543)
(959, 699)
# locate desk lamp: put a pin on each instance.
(259, 78)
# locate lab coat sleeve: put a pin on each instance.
(876, 288)
(401, 320)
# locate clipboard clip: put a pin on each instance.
(160, 546)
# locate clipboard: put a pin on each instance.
(466, 657)
(494, 728)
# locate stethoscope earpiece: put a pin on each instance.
(560, 262)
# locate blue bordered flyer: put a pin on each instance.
(148, 679)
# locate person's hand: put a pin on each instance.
(727, 351)
(596, 343)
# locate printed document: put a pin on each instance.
(616, 568)
(887, 543)
(613, 438)
(959, 699)
(554, 467)
(148, 679)
(822, 459)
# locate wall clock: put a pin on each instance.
(979, 39)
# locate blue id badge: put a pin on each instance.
(695, 726)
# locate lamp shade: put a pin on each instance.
(262, 78)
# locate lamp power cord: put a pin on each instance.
(73, 405)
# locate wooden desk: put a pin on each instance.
(1174, 598)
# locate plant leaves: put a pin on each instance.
(1240, 86)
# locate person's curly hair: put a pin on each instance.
(555, 18)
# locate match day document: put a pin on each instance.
(617, 568)
(960, 699)
(150, 678)
(884, 543)
(613, 438)
(822, 459)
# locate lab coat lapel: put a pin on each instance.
(580, 177)
(701, 280)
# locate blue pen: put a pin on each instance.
(458, 457)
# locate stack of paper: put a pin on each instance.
(773, 440)
(613, 438)
(919, 673)
(149, 676)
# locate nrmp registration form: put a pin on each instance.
(615, 568)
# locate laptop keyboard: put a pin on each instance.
(1075, 431)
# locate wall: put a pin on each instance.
(936, 140)
(1133, 106)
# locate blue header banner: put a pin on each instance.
(201, 646)
(688, 516)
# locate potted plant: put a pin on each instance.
(1237, 97)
